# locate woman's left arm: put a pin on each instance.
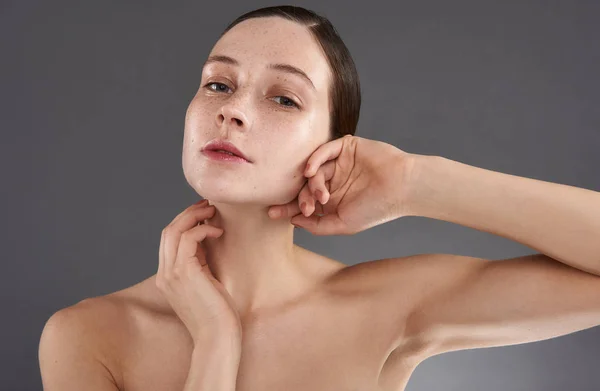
(560, 221)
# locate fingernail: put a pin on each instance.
(274, 213)
(302, 207)
(307, 168)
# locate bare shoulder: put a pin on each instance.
(98, 327)
(81, 338)
(384, 293)
(396, 287)
(382, 275)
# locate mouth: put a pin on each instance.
(224, 156)
(224, 151)
(225, 147)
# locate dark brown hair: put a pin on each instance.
(344, 91)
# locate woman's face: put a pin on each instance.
(275, 117)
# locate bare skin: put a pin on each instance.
(337, 336)
(319, 324)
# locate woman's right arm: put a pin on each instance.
(200, 300)
(214, 366)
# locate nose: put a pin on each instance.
(232, 115)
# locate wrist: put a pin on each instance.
(229, 339)
(415, 188)
(225, 347)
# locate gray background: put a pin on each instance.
(93, 102)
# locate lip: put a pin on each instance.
(224, 157)
(225, 145)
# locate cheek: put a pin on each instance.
(293, 132)
(284, 163)
(287, 150)
(284, 183)
(292, 141)
(198, 111)
(197, 123)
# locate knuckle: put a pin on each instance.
(192, 233)
(161, 283)
(177, 273)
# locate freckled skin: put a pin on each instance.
(281, 139)
(300, 311)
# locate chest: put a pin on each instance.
(319, 352)
(318, 348)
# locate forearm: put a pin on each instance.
(214, 367)
(558, 220)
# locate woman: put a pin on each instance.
(235, 305)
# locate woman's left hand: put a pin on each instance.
(353, 184)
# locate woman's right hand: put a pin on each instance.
(197, 297)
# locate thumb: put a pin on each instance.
(289, 209)
(302, 221)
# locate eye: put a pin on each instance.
(215, 83)
(292, 103)
(286, 99)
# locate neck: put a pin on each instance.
(255, 258)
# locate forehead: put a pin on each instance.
(257, 42)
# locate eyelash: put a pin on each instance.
(279, 96)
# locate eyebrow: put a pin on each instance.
(280, 67)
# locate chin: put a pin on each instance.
(242, 195)
(218, 187)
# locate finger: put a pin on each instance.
(324, 153)
(161, 247)
(306, 201)
(329, 224)
(286, 210)
(319, 182)
(189, 251)
(198, 205)
(318, 208)
(314, 207)
(292, 208)
(185, 221)
(161, 258)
